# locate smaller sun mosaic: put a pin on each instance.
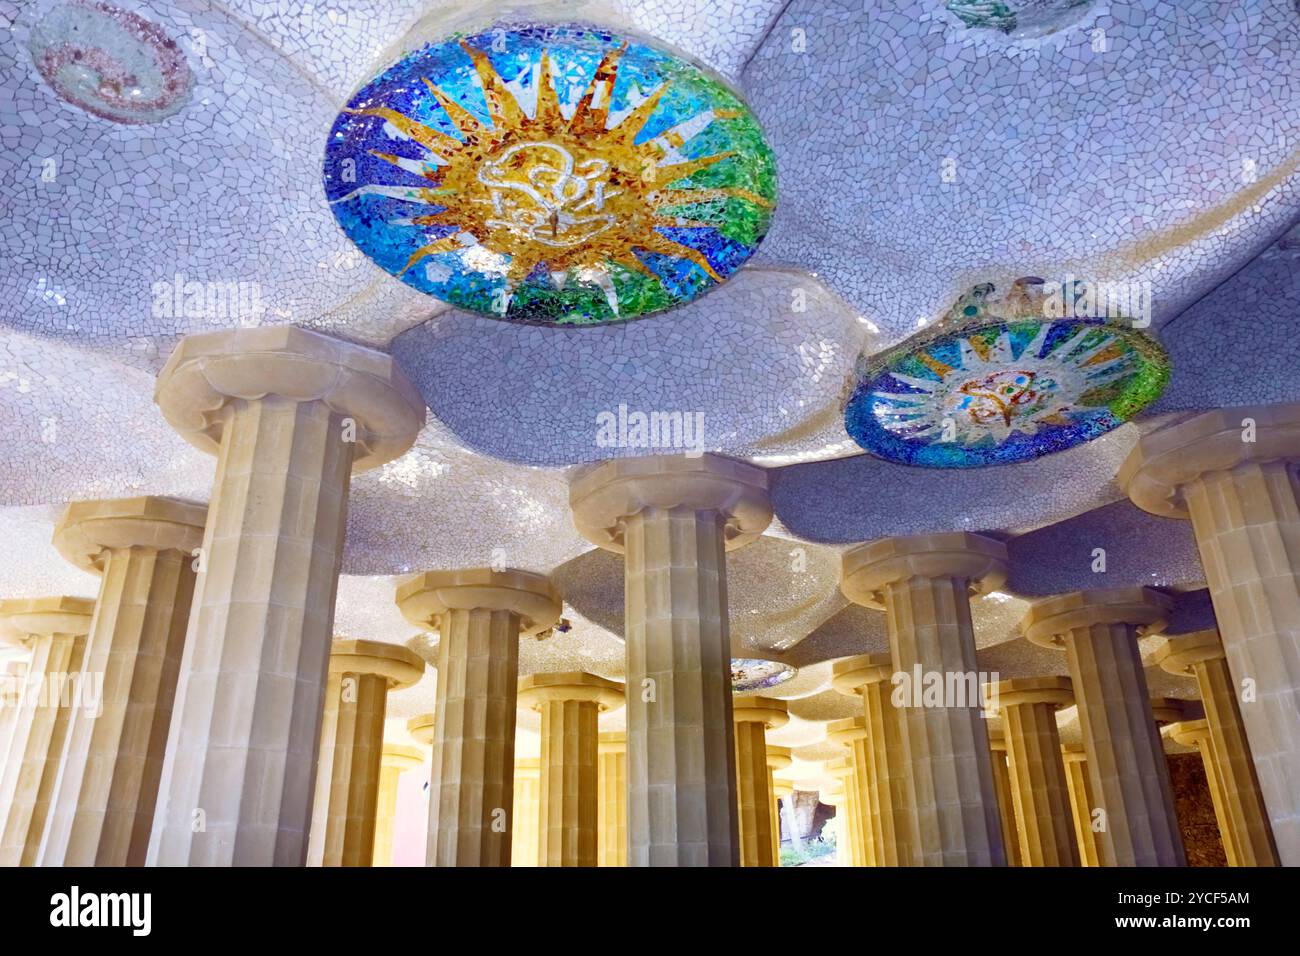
(551, 174)
(1005, 379)
(750, 674)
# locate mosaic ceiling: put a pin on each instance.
(172, 167)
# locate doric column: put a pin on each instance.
(851, 732)
(754, 717)
(1247, 835)
(1233, 473)
(479, 615)
(143, 550)
(1126, 760)
(838, 824)
(55, 629)
(923, 584)
(525, 841)
(395, 760)
(1006, 800)
(14, 679)
(570, 705)
(778, 758)
(361, 673)
(290, 414)
(611, 780)
(1039, 790)
(674, 518)
(1082, 804)
(849, 809)
(889, 805)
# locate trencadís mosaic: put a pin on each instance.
(752, 673)
(557, 175)
(1006, 379)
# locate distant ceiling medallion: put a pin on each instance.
(110, 62)
(1020, 18)
(1007, 379)
(749, 674)
(551, 174)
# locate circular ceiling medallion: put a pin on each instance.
(555, 175)
(1005, 380)
(110, 62)
(748, 674)
(1020, 18)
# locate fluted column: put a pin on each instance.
(1126, 761)
(611, 843)
(851, 732)
(55, 629)
(525, 840)
(1006, 800)
(479, 615)
(143, 550)
(394, 761)
(850, 809)
(923, 583)
(838, 798)
(1233, 473)
(361, 673)
(1041, 795)
(570, 705)
(674, 518)
(778, 758)
(889, 805)
(1075, 761)
(754, 716)
(1247, 835)
(12, 692)
(290, 415)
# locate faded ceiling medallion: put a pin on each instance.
(110, 62)
(1020, 18)
(749, 674)
(555, 175)
(1007, 379)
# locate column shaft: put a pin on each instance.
(525, 841)
(569, 796)
(889, 803)
(1081, 805)
(1006, 805)
(396, 760)
(347, 783)
(754, 796)
(612, 783)
(1036, 773)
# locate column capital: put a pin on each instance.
(1058, 691)
(850, 674)
(208, 371)
(772, 713)
(421, 727)
(423, 598)
(840, 769)
(869, 568)
(778, 758)
(847, 730)
(22, 619)
(1189, 733)
(537, 689)
(1166, 459)
(612, 742)
(88, 530)
(401, 667)
(1073, 753)
(604, 495)
(997, 735)
(1048, 621)
(402, 756)
(1182, 652)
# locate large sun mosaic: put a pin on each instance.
(557, 175)
(1004, 379)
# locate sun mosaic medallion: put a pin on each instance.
(1002, 380)
(750, 674)
(555, 175)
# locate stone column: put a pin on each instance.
(1041, 795)
(1126, 760)
(1233, 472)
(143, 549)
(611, 780)
(923, 584)
(838, 824)
(851, 732)
(778, 758)
(394, 761)
(850, 809)
(889, 804)
(525, 842)
(1006, 800)
(674, 518)
(1247, 836)
(289, 414)
(55, 629)
(14, 679)
(479, 615)
(361, 673)
(570, 705)
(1075, 761)
(754, 717)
